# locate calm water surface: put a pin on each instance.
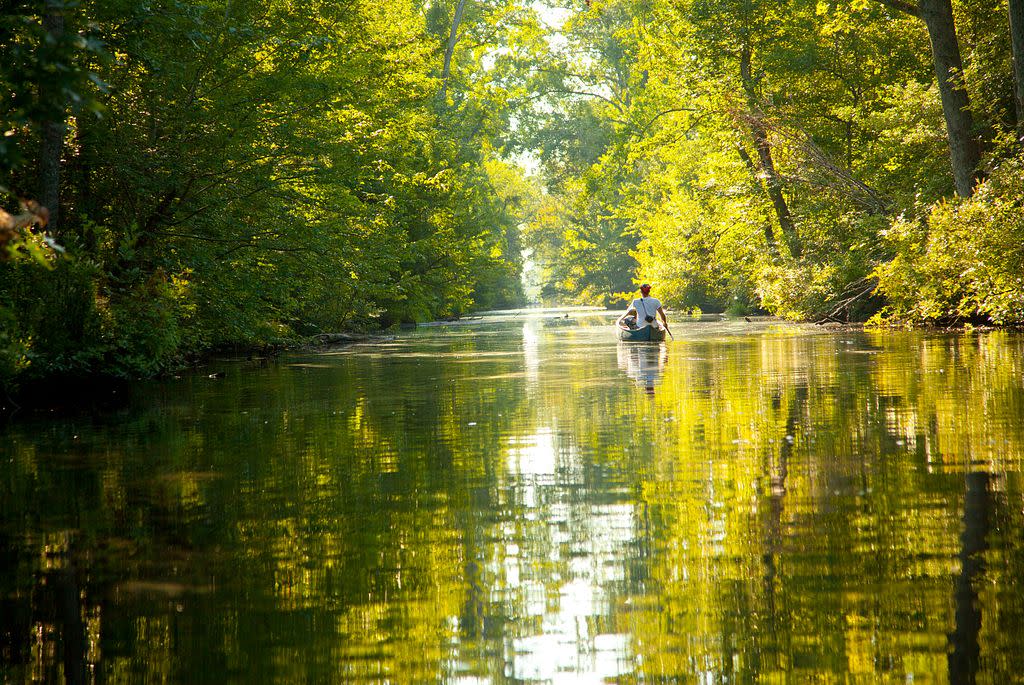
(522, 499)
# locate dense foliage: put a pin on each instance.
(240, 172)
(800, 157)
(220, 173)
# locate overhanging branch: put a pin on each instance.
(901, 6)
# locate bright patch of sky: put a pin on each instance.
(554, 18)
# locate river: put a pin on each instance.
(522, 499)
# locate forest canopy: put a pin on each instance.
(816, 160)
(234, 173)
(185, 176)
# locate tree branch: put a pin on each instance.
(566, 91)
(901, 6)
(663, 113)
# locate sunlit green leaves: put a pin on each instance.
(964, 261)
(265, 170)
(729, 136)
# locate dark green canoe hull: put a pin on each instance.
(645, 334)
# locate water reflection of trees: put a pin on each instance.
(811, 505)
(807, 444)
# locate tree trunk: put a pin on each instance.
(755, 177)
(772, 180)
(956, 107)
(773, 184)
(1017, 43)
(449, 50)
(52, 143)
(83, 200)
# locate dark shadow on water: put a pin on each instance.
(64, 397)
(965, 654)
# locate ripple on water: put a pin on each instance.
(538, 503)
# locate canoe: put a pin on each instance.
(645, 334)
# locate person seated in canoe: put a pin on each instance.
(642, 311)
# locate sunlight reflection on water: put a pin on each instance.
(522, 498)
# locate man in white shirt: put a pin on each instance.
(644, 309)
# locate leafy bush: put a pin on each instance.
(13, 348)
(963, 261)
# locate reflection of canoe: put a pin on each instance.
(645, 334)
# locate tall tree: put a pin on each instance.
(956, 106)
(964, 149)
(53, 126)
(772, 180)
(1016, 12)
(449, 48)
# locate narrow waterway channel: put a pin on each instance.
(523, 499)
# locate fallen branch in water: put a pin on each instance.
(854, 292)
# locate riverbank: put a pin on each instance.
(65, 393)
